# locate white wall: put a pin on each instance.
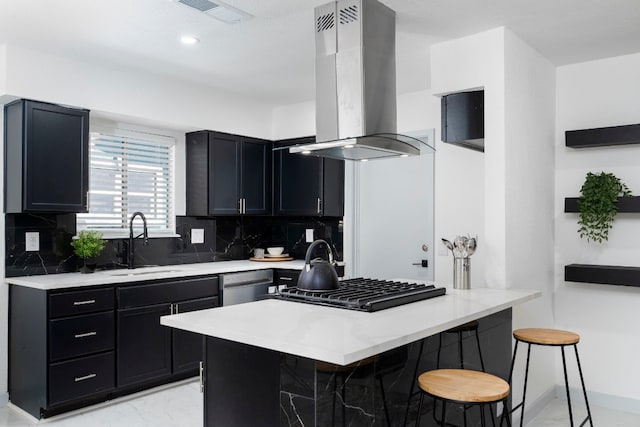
(598, 94)
(152, 99)
(511, 184)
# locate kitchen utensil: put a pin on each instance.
(462, 273)
(318, 275)
(448, 244)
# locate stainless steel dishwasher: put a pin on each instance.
(246, 286)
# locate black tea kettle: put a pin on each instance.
(318, 275)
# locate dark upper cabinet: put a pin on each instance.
(46, 157)
(462, 119)
(227, 174)
(307, 185)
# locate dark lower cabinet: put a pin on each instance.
(73, 348)
(187, 347)
(307, 185)
(81, 377)
(144, 346)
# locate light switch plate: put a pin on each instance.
(309, 235)
(32, 241)
(197, 235)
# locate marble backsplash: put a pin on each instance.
(226, 238)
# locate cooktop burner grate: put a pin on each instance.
(365, 294)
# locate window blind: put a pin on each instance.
(128, 174)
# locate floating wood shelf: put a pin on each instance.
(602, 274)
(625, 204)
(602, 137)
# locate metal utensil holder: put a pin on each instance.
(462, 273)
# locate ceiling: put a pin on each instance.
(271, 56)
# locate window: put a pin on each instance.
(129, 172)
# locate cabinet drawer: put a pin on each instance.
(167, 292)
(81, 377)
(80, 335)
(80, 302)
(286, 277)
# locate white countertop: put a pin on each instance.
(107, 277)
(343, 336)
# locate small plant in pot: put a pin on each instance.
(89, 244)
(598, 205)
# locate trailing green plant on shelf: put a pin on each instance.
(598, 205)
(89, 244)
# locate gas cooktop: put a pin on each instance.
(365, 294)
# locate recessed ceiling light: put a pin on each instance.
(364, 160)
(189, 40)
(404, 155)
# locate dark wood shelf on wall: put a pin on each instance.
(602, 137)
(625, 204)
(602, 274)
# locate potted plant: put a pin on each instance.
(89, 244)
(598, 205)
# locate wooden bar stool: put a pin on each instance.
(469, 327)
(465, 387)
(554, 338)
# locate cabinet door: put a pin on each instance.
(56, 168)
(224, 174)
(47, 158)
(197, 173)
(143, 345)
(333, 187)
(298, 183)
(187, 346)
(256, 176)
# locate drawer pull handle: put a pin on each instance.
(89, 301)
(286, 278)
(86, 334)
(86, 377)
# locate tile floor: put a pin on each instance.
(181, 406)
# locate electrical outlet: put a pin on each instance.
(197, 235)
(32, 241)
(309, 235)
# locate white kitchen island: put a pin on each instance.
(276, 362)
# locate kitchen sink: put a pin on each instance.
(140, 273)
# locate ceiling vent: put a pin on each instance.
(218, 10)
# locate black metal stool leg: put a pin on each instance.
(415, 373)
(335, 390)
(479, 351)
(584, 389)
(384, 402)
(344, 403)
(460, 349)
(566, 384)
(444, 413)
(482, 423)
(419, 414)
(513, 361)
(439, 349)
(524, 391)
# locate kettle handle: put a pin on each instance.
(307, 258)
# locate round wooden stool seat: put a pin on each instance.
(464, 385)
(546, 336)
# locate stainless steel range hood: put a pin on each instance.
(356, 84)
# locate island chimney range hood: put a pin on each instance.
(356, 84)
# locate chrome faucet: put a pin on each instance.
(144, 235)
